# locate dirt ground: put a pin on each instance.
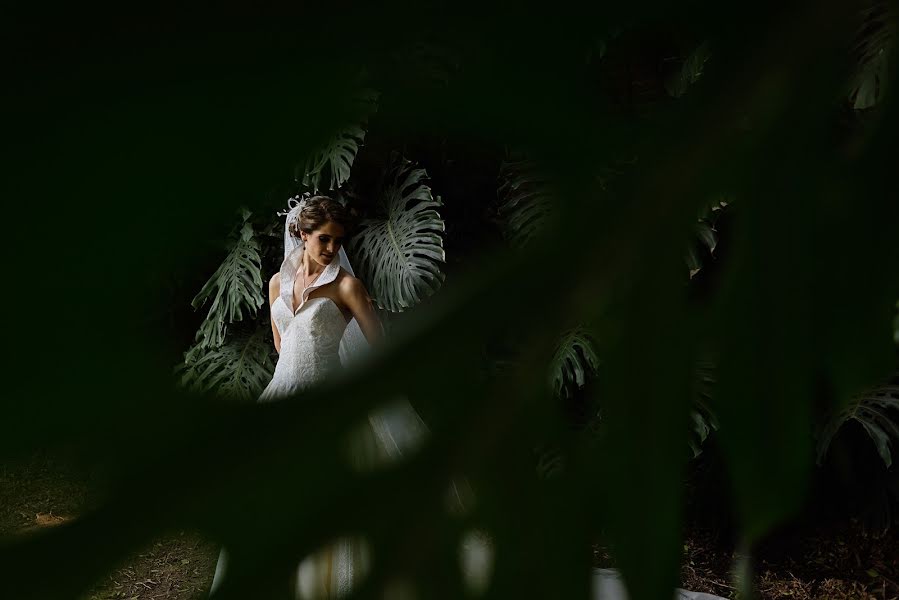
(838, 564)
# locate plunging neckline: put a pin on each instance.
(291, 269)
(316, 298)
(312, 286)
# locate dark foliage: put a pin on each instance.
(135, 144)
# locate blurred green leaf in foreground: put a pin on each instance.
(129, 148)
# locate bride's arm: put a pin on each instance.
(274, 290)
(356, 298)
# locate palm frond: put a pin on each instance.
(329, 167)
(399, 251)
(877, 411)
(235, 288)
(239, 369)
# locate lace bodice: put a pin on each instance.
(310, 336)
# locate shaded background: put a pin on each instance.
(129, 149)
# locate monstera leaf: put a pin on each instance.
(235, 288)
(877, 411)
(873, 46)
(239, 370)
(689, 73)
(525, 200)
(705, 235)
(329, 167)
(528, 198)
(573, 361)
(399, 251)
(702, 419)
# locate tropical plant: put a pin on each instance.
(689, 72)
(400, 248)
(328, 168)
(877, 411)
(548, 460)
(749, 130)
(873, 46)
(235, 289)
(702, 419)
(239, 369)
(525, 205)
(705, 236)
(525, 199)
(573, 361)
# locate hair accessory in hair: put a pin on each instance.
(292, 203)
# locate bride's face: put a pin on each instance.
(322, 244)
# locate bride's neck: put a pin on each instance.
(310, 267)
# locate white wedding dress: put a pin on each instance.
(311, 351)
(310, 340)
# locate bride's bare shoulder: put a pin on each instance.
(274, 285)
(347, 284)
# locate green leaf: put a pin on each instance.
(525, 200)
(329, 167)
(690, 71)
(705, 235)
(239, 370)
(873, 47)
(573, 361)
(646, 397)
(235, 288)
(877, 411)
(399, 251)
(702, 419)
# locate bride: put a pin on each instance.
(316, 302)
(322, 320)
